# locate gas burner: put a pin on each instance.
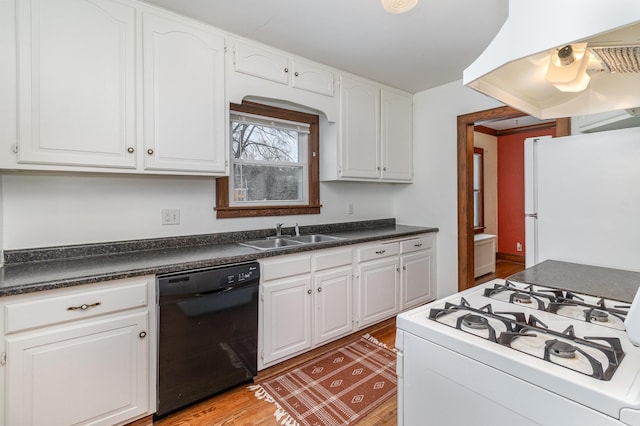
(568, 304)
(597, 315)
(561, 349)
(598, 357)
(525, 299)
(475, 321)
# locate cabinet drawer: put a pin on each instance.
(285, 266)
(333, 258)
(377, 251)
(416, 244)
(45, 311)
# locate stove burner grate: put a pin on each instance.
(517, 325)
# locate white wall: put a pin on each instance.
(432, 199)
(48, 210)
(489, 145)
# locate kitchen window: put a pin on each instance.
(274, 163)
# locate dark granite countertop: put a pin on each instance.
(610, 283)
(28, 271)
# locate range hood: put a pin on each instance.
(597, 41)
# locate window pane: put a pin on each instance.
(263, 143)
(272, 183)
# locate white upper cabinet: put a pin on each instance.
(359, 135)
(281, 68)
(76, 65)
(261, 63)
(184, 104)
(397, 136)
(375, 141)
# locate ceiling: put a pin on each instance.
(426, 47)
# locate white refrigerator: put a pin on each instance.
(582, 199)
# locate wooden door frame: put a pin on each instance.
(466, 123)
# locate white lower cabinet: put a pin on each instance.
(306, 301)
(80, 356)
(287, 318)
(417, 271)
(379, 289)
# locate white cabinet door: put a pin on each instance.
(184, 106)
(93, 372)
(360, 129)
(287, 317)
(397, 136)
(417, 278)
(76, 65)
(252, 60)
(379, 295)
(311, 78)
(332, 304)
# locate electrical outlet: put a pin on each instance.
(518, 246)
(171, 216)
(350, 208)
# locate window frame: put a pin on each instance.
(224, 210)
(479, 229)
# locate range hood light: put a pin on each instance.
(568, 68)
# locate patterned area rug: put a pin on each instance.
(338, 388)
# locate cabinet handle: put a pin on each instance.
(296, 73)
(418, 245)
(142, 334)
(150, 151)
(83, 307)
(130, 150)
(286, 70)
(404, 268)
(319, 289)
(381, 252)
(309, 291)
(397, 269)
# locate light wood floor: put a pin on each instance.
(239, 406)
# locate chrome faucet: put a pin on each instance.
(279, 229)
(297, 229)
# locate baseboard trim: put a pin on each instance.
(510, 257)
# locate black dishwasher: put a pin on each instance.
(207, 333)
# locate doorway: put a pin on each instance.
(465, 124)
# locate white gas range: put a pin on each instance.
(507, 353)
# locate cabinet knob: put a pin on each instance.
(404, 268)
(309, 291)
(142, 334)
(130, 150)
(319, 289)
(384, 169)
(150, 151)
(378, 167)
(296, 74)
(286, 70)
(397, 269)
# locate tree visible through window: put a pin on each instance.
(268, 159)
(274, 163)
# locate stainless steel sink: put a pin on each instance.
(270, 243)
(314, 238)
